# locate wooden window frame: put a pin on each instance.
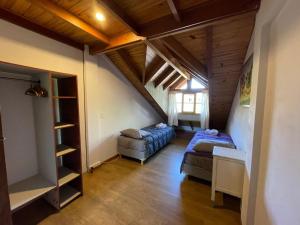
(182, 104)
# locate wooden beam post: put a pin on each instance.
(177, 83)
(122, 41)
(189, 60)
(198, 16)
(153, 68)
(70, 18)
(116, 10)
(165, 54)
(133, 79)
(129, 63)
(171, 81)
(20, 21)
(174, 10)
(167, 73)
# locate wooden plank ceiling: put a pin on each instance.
(160, 41)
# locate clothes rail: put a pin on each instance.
(19, 79)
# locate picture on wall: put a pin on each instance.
(245, 83)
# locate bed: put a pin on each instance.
(142, 149)
(199, 164)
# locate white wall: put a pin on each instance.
(246, 125)
(112, 105)
(23, 47)
(278, 196)
(159, 94)
(238, 122)
(19, 129)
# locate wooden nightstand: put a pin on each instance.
(228, 172)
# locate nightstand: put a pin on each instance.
(228, 172)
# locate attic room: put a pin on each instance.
(149, 112)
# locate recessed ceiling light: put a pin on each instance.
(100, 16)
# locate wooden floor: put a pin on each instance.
(124, 192)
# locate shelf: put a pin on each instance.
(67, 194)
(66, 175)
(63, 150)
(27, 190)
(63, 125)
(64, 97)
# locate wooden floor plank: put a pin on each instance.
(124, 192)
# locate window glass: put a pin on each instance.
(188, 102)
(198, 103)
(196, 84)
(179, 102)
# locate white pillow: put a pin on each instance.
(144, 133)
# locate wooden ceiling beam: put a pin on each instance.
(202, 15)
(171, 81)
(133, 79)
(166, 55)
(177, 83)
(129, 63)
(174, 10)
(153, 68)
(116, 10)
(20, 21)
(189, 60)
(167, 73)
(122, 41)
(70, 18)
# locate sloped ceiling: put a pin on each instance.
(220, 49)
(164, 41)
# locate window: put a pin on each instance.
(198, 103)
(189, 102)
(179, 102)
(196, 84)
(192, 84)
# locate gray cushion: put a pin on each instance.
(133, 133)
(205, 145)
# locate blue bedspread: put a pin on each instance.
(159, 138)
(201, 135)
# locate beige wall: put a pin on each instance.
(18, 126)
(278, 196)
(21, 46)
(113, 105)
(159, 94)
(256, 128)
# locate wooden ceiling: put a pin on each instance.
(162, 41)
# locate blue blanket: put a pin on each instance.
(201, 135)
(159, 138)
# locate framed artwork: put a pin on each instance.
(245, 82)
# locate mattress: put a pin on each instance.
(199, 164)
(143, 148)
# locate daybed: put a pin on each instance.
(142, 149)
(199, 164)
